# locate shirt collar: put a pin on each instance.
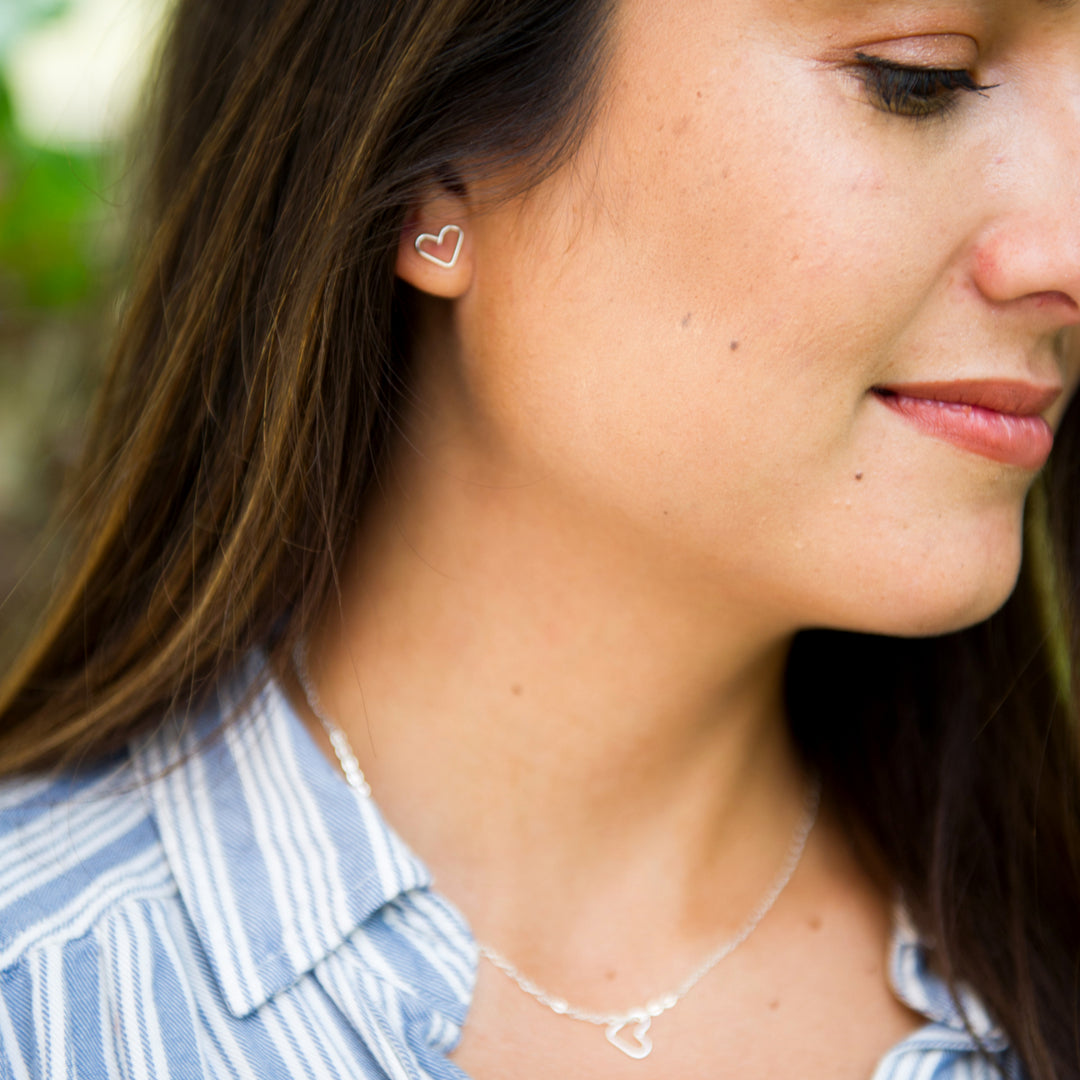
(276, 859)
(919, 987)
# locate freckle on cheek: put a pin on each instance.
(734, 346)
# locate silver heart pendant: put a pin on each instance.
(431, 239)
(637, 1050)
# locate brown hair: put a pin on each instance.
(255, 378)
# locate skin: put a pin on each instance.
(643, 450)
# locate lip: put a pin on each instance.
(999, 419)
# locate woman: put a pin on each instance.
(548, 445)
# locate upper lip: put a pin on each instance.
(1016, 397)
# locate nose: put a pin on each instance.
(1028, 253)
(1034, 261)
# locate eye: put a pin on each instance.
(917, 92)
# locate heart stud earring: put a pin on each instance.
(425, 240)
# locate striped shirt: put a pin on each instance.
(231, 908)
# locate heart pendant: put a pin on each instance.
(641, 1021)
(438, 241)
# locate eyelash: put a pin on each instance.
(915, 92)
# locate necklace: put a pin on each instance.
(639, 1044)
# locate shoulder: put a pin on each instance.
(72, 846)
(84, 893)
(203, 905)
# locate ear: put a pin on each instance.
(435, 254)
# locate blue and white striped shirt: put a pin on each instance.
(231, 908)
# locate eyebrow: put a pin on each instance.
(1059, 5)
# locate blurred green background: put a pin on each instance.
(70, 77)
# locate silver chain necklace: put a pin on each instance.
(640, 1044)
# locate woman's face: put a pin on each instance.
(786, 215)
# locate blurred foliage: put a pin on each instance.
(60, 250)
(50, 209)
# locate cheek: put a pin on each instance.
(681, 332)
(742, 461)
(695, 308)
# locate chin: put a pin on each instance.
(951, 588)
(965, 612)
(955, 604)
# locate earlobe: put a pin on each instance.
(434, 256)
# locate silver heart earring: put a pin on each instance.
(438, 241)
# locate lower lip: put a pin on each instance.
(1023, 441)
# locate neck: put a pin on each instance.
(534, 701)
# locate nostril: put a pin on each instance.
(1044, 299)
